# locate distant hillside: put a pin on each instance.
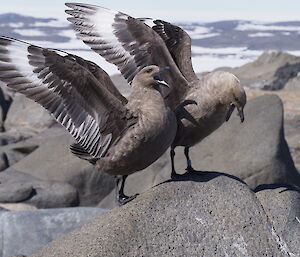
(253, 35)
(223, 43)
(33, 29)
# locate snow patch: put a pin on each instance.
(198, 30)
(14, 24)
(29, 32)
(200, 36)
(286, 33)
(265, 27)
(210, 62)
(54, 23)
(261, 34)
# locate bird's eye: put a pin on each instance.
(149, 70)
(236, 99)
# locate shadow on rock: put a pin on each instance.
(285, 187)
(201, 176)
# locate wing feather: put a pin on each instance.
(124, 41)
(68, 90)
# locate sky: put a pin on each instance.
(171, 10)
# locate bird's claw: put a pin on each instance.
(122, 200)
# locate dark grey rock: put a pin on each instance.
(53, 161)
(26, 116)
(255, 151)
(7, 138)
(44, 194)
(282, 205)
(210, 214)
(48, 194)
(15, 192)
(5, 101)
(13, 153)
(282, 75)
(25, 232)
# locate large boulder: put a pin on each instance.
(282, 205)
(255, 151)
(53, 161)
(205, 214)
(25, 232)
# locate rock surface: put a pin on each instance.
(53, 161)
(21, 187)
(210, 214)
(5, 102)
(292, 131)
(12, 153)
(15, 192)
(282, 205)
(26, 116)
(24, 232)
(255, 151)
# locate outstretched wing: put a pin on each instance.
(124, 41)
(101, 76)
(178, 43)
(69, 91)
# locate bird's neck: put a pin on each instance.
(145, 95)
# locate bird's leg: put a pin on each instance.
(120, 196)
(174, 175)
(189, 167)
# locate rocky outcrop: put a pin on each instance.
(25, 232)
(271, 71)
(205, 214)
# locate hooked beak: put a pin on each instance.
(230, 111)
(158, 77)
(241, 114)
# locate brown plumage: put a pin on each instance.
(130, 44)
(120, 136)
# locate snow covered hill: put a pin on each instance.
(215, 44)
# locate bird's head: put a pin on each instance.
(236, 99)
(150, 77)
